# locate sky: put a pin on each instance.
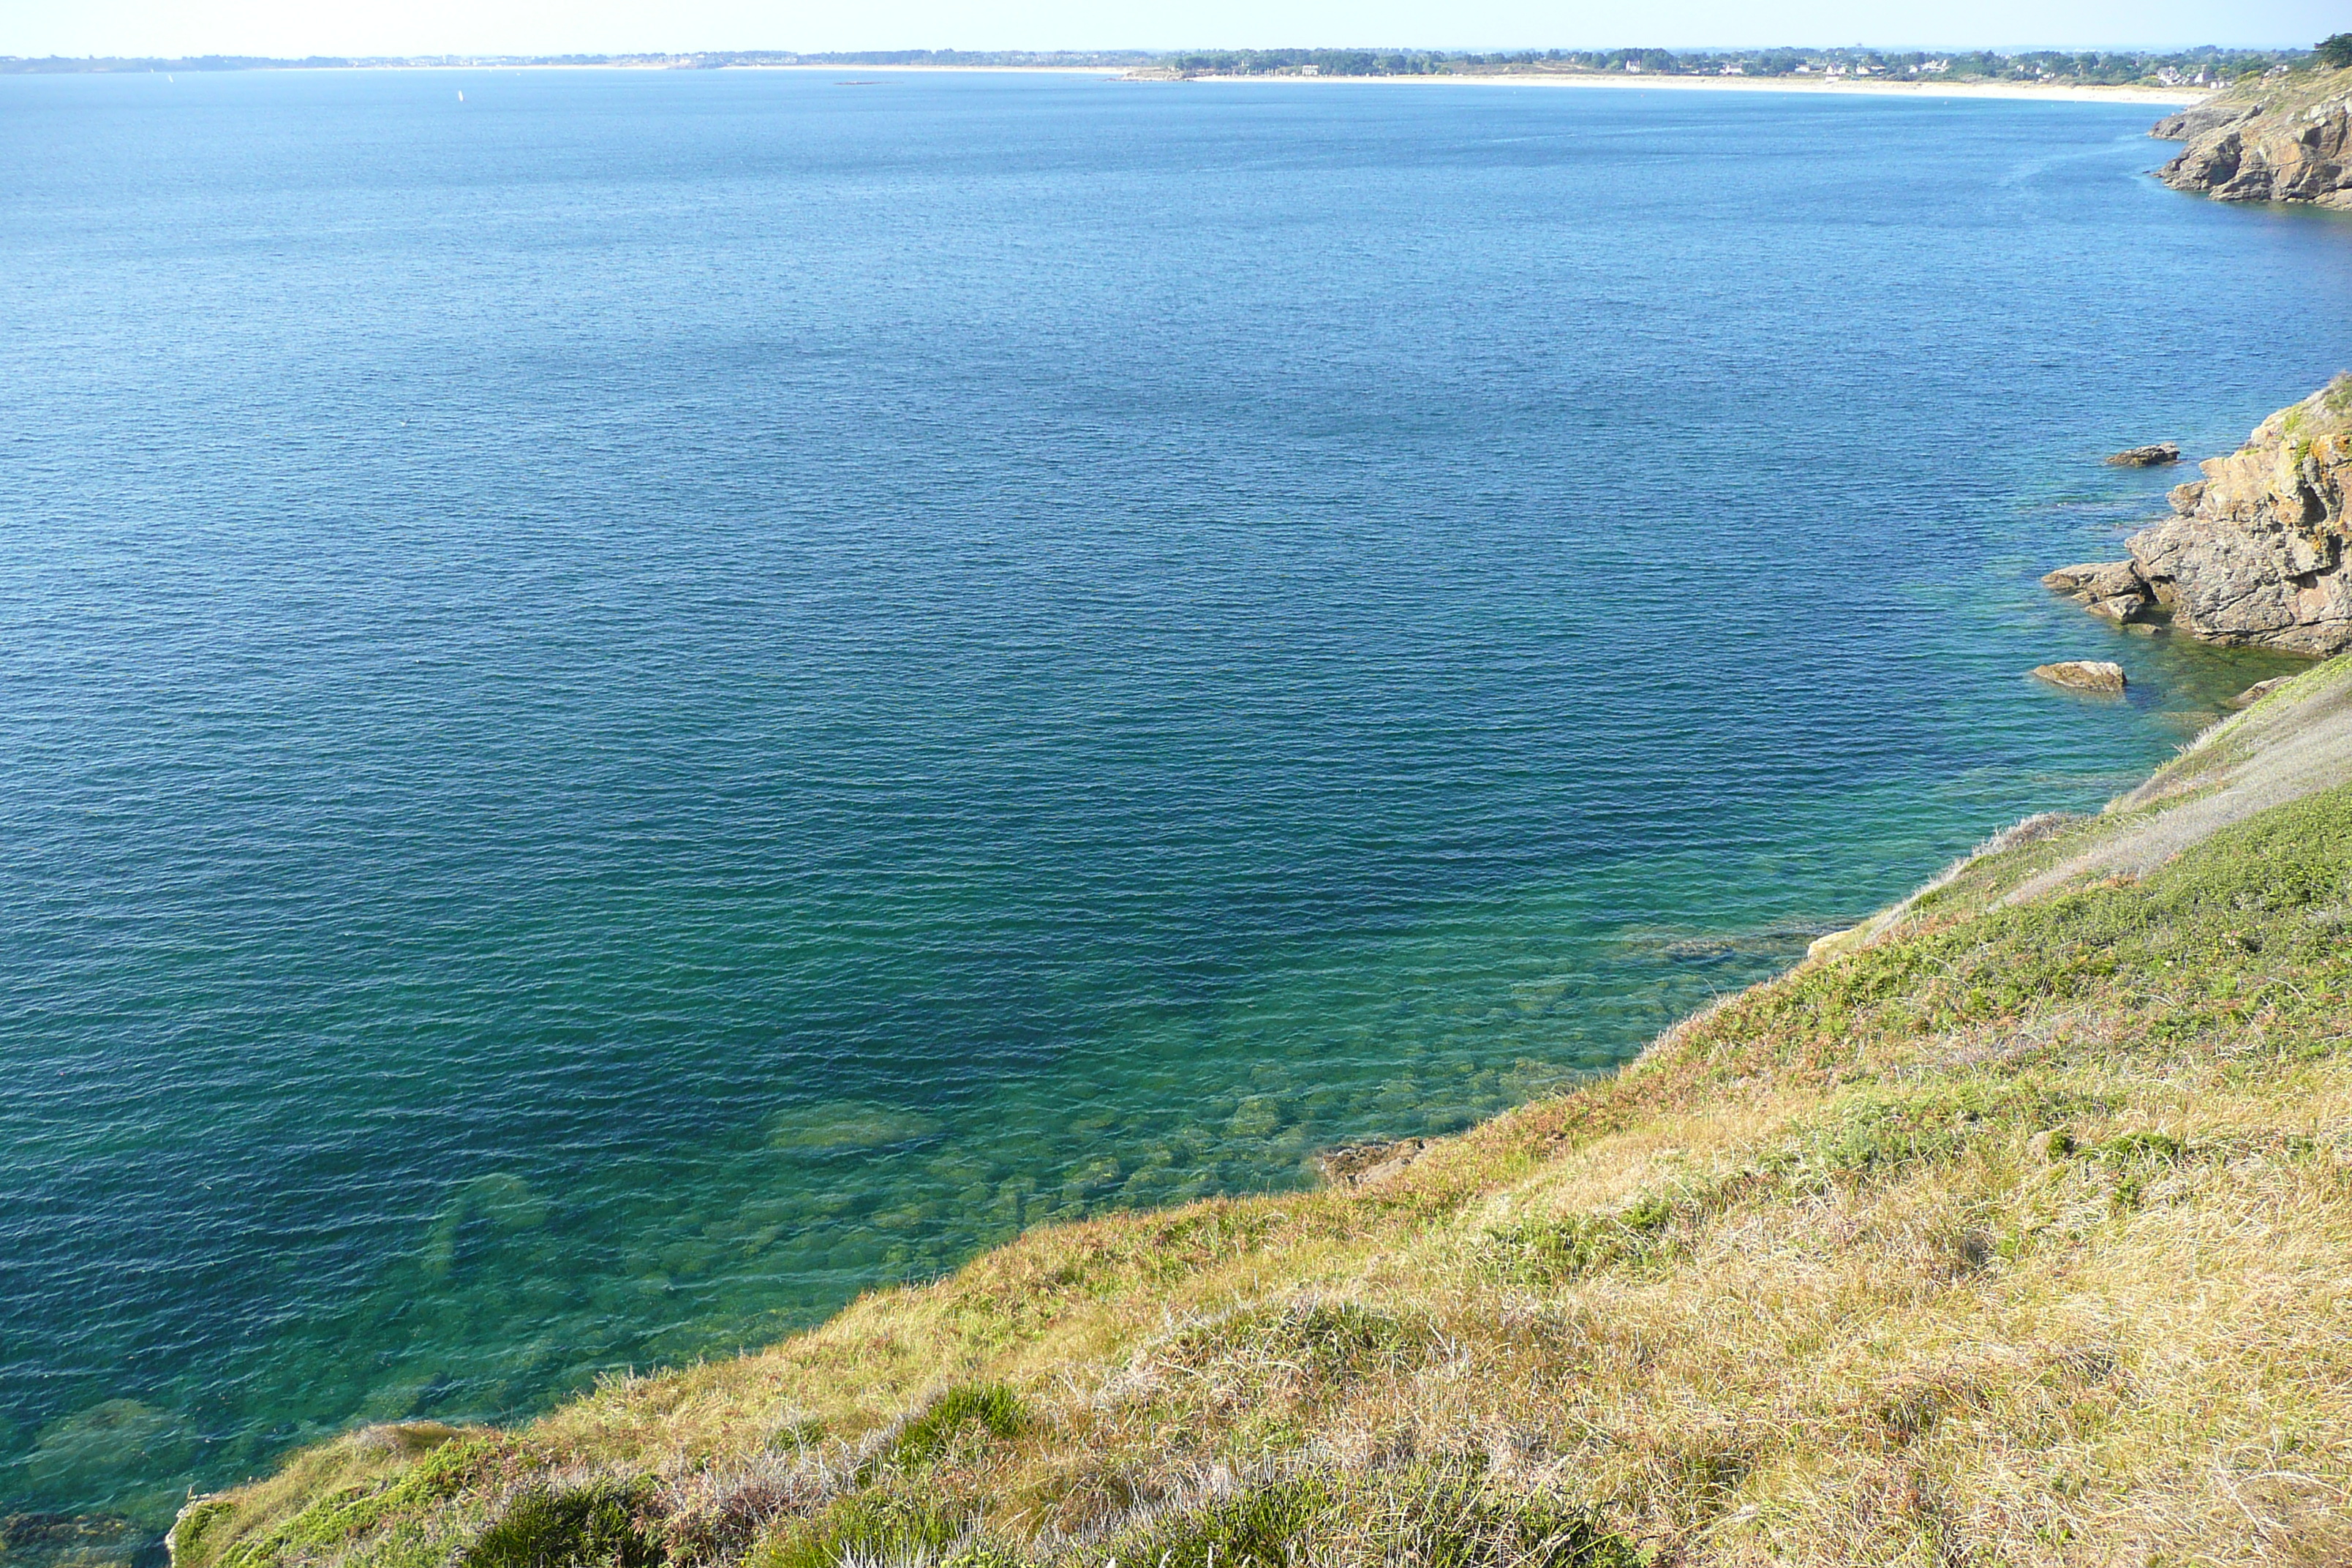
(293, 27)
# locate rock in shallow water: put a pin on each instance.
(2153, 456)
(2082, 675)
(2113, 589)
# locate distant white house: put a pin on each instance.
(1735, 68)
(1633, 66)
(1931, 68)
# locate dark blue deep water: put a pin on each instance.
(637, 702)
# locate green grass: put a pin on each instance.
(992, 1411)
(874, 1529)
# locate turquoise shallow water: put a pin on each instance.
(643, 701)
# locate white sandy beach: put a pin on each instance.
(1607, 80)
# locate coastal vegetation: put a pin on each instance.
(2008, 1227)
(2111, 67)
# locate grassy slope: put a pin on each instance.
(2288, 94)
(2020, 1233)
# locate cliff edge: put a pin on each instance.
(2254, 552)
(2284, 141)
(2009, 1229)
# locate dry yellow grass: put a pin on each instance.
(2022, 1235)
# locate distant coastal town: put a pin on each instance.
(2196, 68)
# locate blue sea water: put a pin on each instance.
(638, 702)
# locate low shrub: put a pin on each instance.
(993, 1408)
(1262, 1526)
(594, 1526)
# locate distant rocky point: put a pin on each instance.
(2254, 553)
(2282, 140)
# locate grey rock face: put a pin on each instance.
(2153, 456)
(2254, 553)
(2216, 114)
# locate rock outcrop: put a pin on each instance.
(2257, 691)
(2154, 457)
(2113, 589)
(2284, 140)
(1362, 1165)
(2082, 675)
(2254, 552)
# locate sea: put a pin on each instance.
(633, 702)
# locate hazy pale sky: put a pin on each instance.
(548, 26)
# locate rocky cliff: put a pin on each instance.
(2254, 553)
(2284, 140)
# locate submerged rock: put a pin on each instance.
(2082, 675)
(830, 1125)
(35, 1540)
(2154, 457)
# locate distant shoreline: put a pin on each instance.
(2068, 92)
(1842, 87)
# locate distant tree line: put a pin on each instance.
(2116, 67)
(1301, 62)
